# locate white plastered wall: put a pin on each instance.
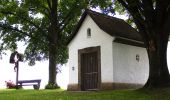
(98, 38)
(126, 69)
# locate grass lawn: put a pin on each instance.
(163, 94)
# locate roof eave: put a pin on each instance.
(127, 41)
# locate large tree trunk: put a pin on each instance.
(158, 69)
(152, 19)
(53, 43)
(53, 46)
(52, 64)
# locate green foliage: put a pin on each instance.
(29, 21)
(119, 8)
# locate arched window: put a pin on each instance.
(88, 33)
(137, 57)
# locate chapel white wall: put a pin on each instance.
(98, 38)
(126, 69)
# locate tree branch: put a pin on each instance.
(48, 10)
(25, 19)
(139, 21)
(5, 26)
(49, 4)
(65, 24)
(148, 11)
(134, 13)
(69, 13)
(161, 11)
(67, 18)
(167, 22)
(54, 13)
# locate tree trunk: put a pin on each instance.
(53, 43)
(158, 69)
(52, 64)
(53, 46)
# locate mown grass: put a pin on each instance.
(159, 94)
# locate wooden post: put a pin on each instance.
(14, 59)
(17, 73)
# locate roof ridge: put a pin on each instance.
(104, 15)
(121, 27)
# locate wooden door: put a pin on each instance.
(89, 71)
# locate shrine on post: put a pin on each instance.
(14, 59)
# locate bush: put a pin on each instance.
(52, 86)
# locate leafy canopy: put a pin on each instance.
(28, 21)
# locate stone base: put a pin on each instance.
(73, 87)
(126, 86)
(108, 86)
